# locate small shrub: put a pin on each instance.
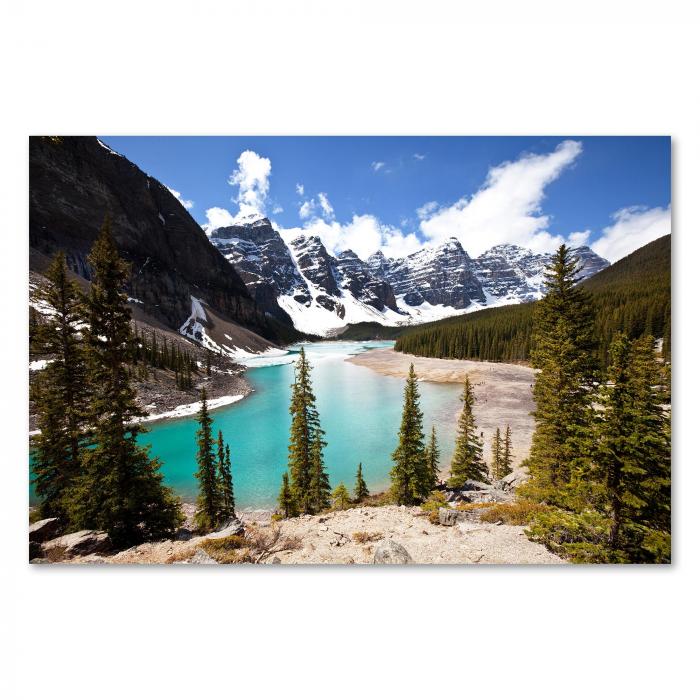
(226, 550)
(56, 554)
(432, 506)
(517, 513)
(378, 499)
(364, 537)
(473, 506)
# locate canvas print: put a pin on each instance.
(349, 350)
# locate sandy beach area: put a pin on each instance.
(503, 392)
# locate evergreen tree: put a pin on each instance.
(468, 461)
(565, 353)
(432, 460)
(286, 500)
(120, 487)
(496, 456)
(634, 454)
(507, 457)
(408, 475)
(304, 428)
(320, 486)
(341, 497)
(361, 490)
(209, 498)
(227, 502)
(60, 391)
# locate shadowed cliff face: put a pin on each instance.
(76, 181)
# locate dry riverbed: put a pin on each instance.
(503, 392)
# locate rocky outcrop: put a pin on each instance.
(79, 543)
(477, 492)
(358, 279)
(443, 275)
(390, 552)
(43, 530)
(74, 182)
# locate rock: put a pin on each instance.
(323, 528)
(472, 485)
(79, 543)
(276, 560)
(201, 557)
(449, 517)
(43, 530)
(390, 552)
(232, 527)
(511, 481)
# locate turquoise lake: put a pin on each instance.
(360, 411)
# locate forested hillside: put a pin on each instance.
(633, 295)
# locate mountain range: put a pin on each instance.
(249, 287)
(297, 279)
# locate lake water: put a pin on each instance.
(360, 411)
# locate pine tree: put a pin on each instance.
(634, 454)
(507, 457)
(361, 490)
(432, 460)
(304, 429)
(60, 391)
(497, 456)
(286, 500)
(408, 475)
(227, 503)
(341, 497)
(320, 486)
(120, 487)
(468, 461)
(565, 352)
(209, 498)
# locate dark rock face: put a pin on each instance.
(443, 275)
(76, 181)
(43, 530)
(315, 263)
(263, 262)
(359, 280)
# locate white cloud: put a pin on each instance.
(217, 217)
(507, 208)
(427, 209)
(377, 165)
(300, 189)
(306, 210)
(277, 209)
(252, 177)
(419, 156)
(364, 235)
(579, 238)
(632, 228)
(187, 203)
(325, 204)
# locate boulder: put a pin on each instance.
(43, 530)
(449, 517)
(390, 552)
(472, 485)
(201, 557)
(232, 527)
(511, 481)
(79, 543)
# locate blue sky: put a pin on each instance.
(400, 193)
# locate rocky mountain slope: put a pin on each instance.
(299, 279)
(76, 181)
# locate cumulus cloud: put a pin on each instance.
(507, 208)
(325, 204)
(579, 238)
(419, 156)
(427, 209)
(364, 234)
(217, 217)
(306, 210)
(377, 165)
(252, 177)
(300, 189)
(187, 203)
(632, 228)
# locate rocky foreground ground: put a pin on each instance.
(365, 534)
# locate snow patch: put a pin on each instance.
(189, 409)
(37, 365)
